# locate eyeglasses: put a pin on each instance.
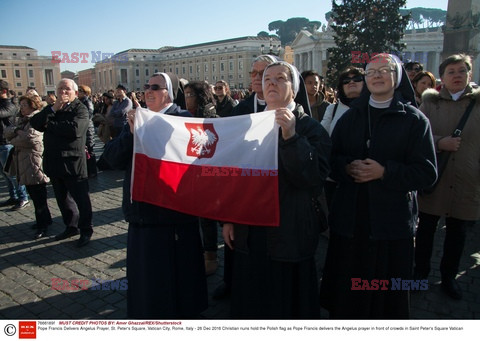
(382, 72)
(189, 94)
(254, 73)
(153, 87)
(218, 87)
(356, 79)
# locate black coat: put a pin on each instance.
(8, 110)
(246, 107)
(64, 139)
(91, 129)
(303, 167)
(402, 142)
(225, 107)
(119, 154)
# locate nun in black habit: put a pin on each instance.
(274, 272)
(382, 153)
(165, 268)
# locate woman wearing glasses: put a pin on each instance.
(165, 269)
(382, 152)
(457, 194)
(349, 87)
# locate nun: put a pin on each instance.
(165, 268)
(274, 272)
(382, 153)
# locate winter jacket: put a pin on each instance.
(457, 193)
(64, 139)
(7, 112)
(27, 159)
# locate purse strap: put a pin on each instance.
(458, 131)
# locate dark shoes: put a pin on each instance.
(69, 232)
(221, 292)
(9, 202)
(21, 204)
(451, 288)
(84, 240)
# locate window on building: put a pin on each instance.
(213, 67)
(4, 73)
(222, 67)
(30, 73)
(206, 67)
(191, 69)
(123, 76)
(19, 85)
(32, 84)
(156, 70)
(183, 69)
(240, 65)
(176, 70)
(17, 73)
(137, 72)
(49, 77)
(230, 66)
(146, 72)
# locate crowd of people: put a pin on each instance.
(377, 162)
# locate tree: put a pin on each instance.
(263, 34)
(362, 29)
(288, 30)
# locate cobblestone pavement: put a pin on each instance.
(28, 266)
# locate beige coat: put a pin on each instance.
(28, 158)
(457, 194)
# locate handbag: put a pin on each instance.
(443, 157)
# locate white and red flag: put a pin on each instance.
(224, 169)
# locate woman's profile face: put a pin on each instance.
(25, 108)
(423, 84)
(190, 99)
(277, 87)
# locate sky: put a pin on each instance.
(111, 26)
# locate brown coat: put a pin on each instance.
(457, 194)
(27, 159)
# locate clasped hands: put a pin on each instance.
(365, 170)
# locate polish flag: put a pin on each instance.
(224, 169)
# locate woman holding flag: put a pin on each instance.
(274, 274)
(165, 268)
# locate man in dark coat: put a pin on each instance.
(165, 267)
(64, 125)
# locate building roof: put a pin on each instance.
(226, 41)
(16, 47)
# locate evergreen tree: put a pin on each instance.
(362, 29)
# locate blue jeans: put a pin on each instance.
(17, 192)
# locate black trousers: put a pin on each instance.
(452, 246)
(73, 199)
(38, 194)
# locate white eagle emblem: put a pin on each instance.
(202, 141)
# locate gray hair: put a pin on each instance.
(63, 80)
